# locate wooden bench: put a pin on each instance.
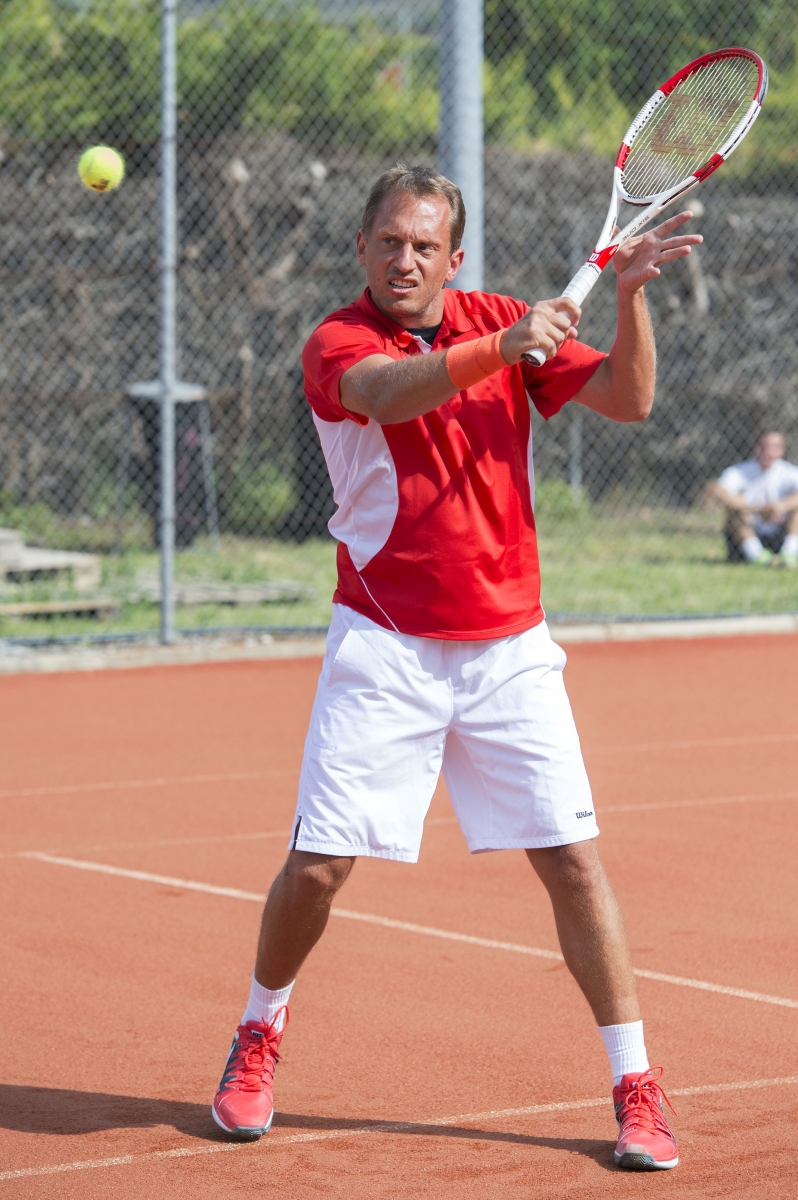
(30, 564)
(100, 608)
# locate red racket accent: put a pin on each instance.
(674, 143)
(709, 167)
(699, 63)
(600, 258)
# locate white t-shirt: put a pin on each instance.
(747, 479)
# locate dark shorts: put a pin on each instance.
(771, 541)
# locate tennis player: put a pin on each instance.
(438, 655)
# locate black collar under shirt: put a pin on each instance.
(427, 335)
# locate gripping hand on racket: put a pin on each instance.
(639, 260)
(546, 326)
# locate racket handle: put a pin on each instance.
(582, 283)
(577, 289)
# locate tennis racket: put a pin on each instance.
(680, 136)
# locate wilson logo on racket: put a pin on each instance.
(675, 132)
(600, 258)
(683, 133)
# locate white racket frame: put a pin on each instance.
(609, 242)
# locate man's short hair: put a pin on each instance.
(768, 433)
(416, 181)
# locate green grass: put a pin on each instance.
(661, 562)
(233, 560)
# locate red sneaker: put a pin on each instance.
(243, 1104)
(645, 1142)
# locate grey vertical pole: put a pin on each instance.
(461, 151)
(168, 320)
(208, 477)
(575, 452)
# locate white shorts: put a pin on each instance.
(392, 710)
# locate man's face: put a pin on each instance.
(407, 258)
(768, 449)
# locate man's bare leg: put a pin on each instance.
(293, 920)
(740, 524)
(296, 913)
(740, 529)
(590, 928)
(596, 951)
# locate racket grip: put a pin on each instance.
(582, 283)
(577, 289)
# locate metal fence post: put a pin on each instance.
(575, 452)
(461, 149)
(168, 319)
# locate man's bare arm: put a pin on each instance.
(737, 503)
(789, 504)
(389, 391)
(622, 387)
(732, 500)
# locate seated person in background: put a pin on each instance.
(761, 501)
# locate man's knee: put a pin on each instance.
(737, 519)
(576, 867)
(316, 877)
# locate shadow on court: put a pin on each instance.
(59, 1111)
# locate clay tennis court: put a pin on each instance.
(438, 1047)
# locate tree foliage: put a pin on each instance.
(591, 63)
(558, 72)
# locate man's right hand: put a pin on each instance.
(545, 327)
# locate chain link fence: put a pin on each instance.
(286, 114)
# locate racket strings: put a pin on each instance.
(692, 124)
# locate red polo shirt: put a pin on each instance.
(435, 524)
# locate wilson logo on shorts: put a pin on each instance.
(579, 815)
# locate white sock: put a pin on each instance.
(790, 544)
(264, 1004)
(752, 547)
(626, 1047)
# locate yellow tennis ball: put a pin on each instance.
(101, 168)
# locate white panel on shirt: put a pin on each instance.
(747, 479)
(365, 486)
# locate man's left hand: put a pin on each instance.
(640, 258)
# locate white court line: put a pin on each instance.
(277, 833)
(407, 926)
(696, 744)
(752, 799)
(271, 1140)
(261, 835)
(236, 776)
(68, 789)
(192, 841)
(188, 885)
